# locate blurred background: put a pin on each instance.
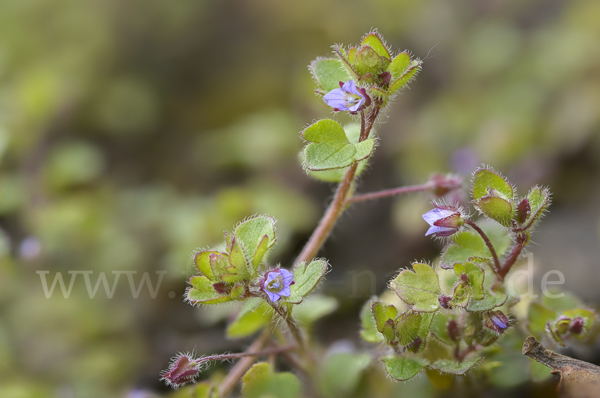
(133, 132)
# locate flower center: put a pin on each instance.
(275, 285)
(352, 99)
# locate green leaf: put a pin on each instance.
(204, 390)
(467, 244)
(262, 382)
(475, 275)
(399, 65)
(375, 41)
(385, 316)
(538, 315)
(336, 154)
(251, 233)
(412, 326)
(369, 331)
(352, 132)
(419, 289)
(439, 328)
(397, 84)
(237, 270)
(455, 367)
(325, 130)
(539, 200)
(496, 208)
(461, 295)
(306, 278)
(203, 292)
(254, 315)
(314, 308)
(490, 301)
(368, 61)
(330, 148)
(340, 373)
(401, 368)
(486, 180)
(202, 261)
(328, 73)
(218, 264)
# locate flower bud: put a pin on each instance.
(181, 371)
(443, 220)
(497, 321)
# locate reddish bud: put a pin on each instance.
(182, 370)
(445, 301)
(523, 211)
(442, 184)
(453, 330)
(577, 325)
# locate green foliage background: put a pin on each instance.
(133, 132)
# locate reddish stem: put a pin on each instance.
(389, 192)
(496, 267)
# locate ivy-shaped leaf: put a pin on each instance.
(487, 181)
(489, 302)
(455, 367)
(412, 326)
(352, 131)
(329, 147)
(419, 289)
(401, 368)
(328, 73)
(306, 278)
(466, 244)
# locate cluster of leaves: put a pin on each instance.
(444, 331)
(235, 274)
(370, 65)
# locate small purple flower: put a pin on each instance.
(347, 98)
(277, 283)
(497, 321)
(443, 221)
(181, 371)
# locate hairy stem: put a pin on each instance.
(267, 351)
(389, 192)
(496, 267)
(292, 325)
(514, 254)
(336, 207)
(240, 368)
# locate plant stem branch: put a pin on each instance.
(267, 351)
(496, 267)
(388, 192)
(240, 368)
(336, 207)
(514, 254)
